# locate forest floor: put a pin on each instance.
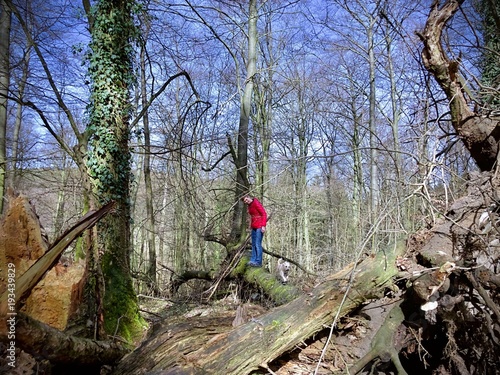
(326, 353)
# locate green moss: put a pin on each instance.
(79, 249)
(121, 314)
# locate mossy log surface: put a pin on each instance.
(267, 282)
(258, 342)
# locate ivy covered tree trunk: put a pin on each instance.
(109, 158)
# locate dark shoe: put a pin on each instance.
(252, 264)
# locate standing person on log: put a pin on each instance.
(258, 220)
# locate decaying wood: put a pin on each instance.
(26, 282)
(170, 340)
(384, 345)
(479, 132)
(49, 343)
(38, 338)
(253, 345)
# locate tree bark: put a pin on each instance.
(150, 224)
(109, 165)
(480, 134)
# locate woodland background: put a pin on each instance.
(329, 154)
(350, 142)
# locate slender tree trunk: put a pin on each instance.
(394, 107)
(374, 185)
(264, 117)
(357, 171)
(150, 218)
(18, 118)
(241, 157)
(5, 23)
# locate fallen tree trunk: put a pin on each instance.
(255, 344)
(41, 340)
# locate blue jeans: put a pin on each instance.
(257, 246)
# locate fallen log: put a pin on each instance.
(258, 342)
(41, 340)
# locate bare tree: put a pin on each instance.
(5, 23)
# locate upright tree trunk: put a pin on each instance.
(109, 160)
(5, 22)
(241, 157)
(150, 218)
(19, 117)
(374, 185)
(357, 167)
(264, 96)
(394, 107)
(302, 232)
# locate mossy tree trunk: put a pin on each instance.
(112, 30)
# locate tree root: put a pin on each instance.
(383, 343)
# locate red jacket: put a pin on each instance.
(258, 214)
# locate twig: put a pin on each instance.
(155, 298)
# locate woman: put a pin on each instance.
(258, 220)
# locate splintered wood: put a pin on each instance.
(22, 242)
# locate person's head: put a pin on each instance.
(247, 199)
